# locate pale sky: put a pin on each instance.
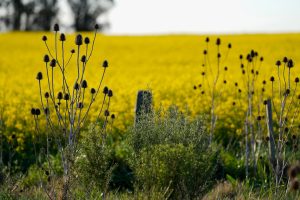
(204, 16)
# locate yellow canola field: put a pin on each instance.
(168, 65)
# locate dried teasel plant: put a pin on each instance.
(66, 111)
(213, 88)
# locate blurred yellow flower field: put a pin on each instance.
(170, 66)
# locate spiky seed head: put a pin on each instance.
(261, 59)
(113, 116)
(13, 136)
(252, 71)
(286, 129)
(293, 171)
(44, 38)
(83, 59)
(252, 53)
(225, 68)
(297, 80)
(86, 40)
(105, 90)
(287, 92)
(258, 118)
(285, 59)
(263, 89)
(47, 173)
(298, 96)
(73, 51)
(62, 37)
(106, 113)
(236, 84)
(233, 103)
(219, 55)
(53, 63)
(278, 63)
(294, 137)
(37, 111)
(39, 76)
(93, 91)
(290, 63)
(76, 86)
(224, 81)
(241, 56)
(205, 52)
(272, 79)
(46, 95)
(84, 84)
(66, 97)
(203, 73)
(60, 95)
(46, 58)
(195, 87)
(202, 92)
(229, 46)
(110, 93)
(218, 41)
(265, 102)
(243, 71)
(268, 138)
(200, 85)
(207, 39)
(105, 64)
(240, 91)
(56, 27)
(78, 40)
(80, 105)
(264, 82)
(242, 66)
(96, 26)
(33, 111)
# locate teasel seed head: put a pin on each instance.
(105, 64)
(294, 137)
(205, 52)
(286, 129)
(240, 91)
(272, 79)
(236, 84)
(219, 55)
(46, 95)
(105, 90)
(60, 95)
(264, 82)
(200, 85)
(44, 38)
(243, 71)
(258, 118)
(72, 50)
(80, 105)
(233, 103)
(241, 57)
(265, 102)
(195, 87)
(96, 26)
(202, 92)
(287, 92)
(62, 37)
(261, 59)
(84, 84)
(229, 46)
(290, 63)
(278, 63)
(252, 53)
(242, 66)
(56, 27)
(263, 89)
(53, 63)
(106, 113)
(33, 111)
(225, 68)
(93, 91)
(13, 136)
(46, 58)
(113, 116)
(39, 76)
(76, 86)
(297, 80)
(86, 40)
(110, 93)
(78, 40)
(218, 42)
(207, 39)
(224, 81)
(256, 73)
(203, 73)
(285, 59)
(83, 58)
(295, 185)
(66, 97)
(37, 111)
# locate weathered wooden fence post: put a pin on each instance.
(143, 104)
(271, 133)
